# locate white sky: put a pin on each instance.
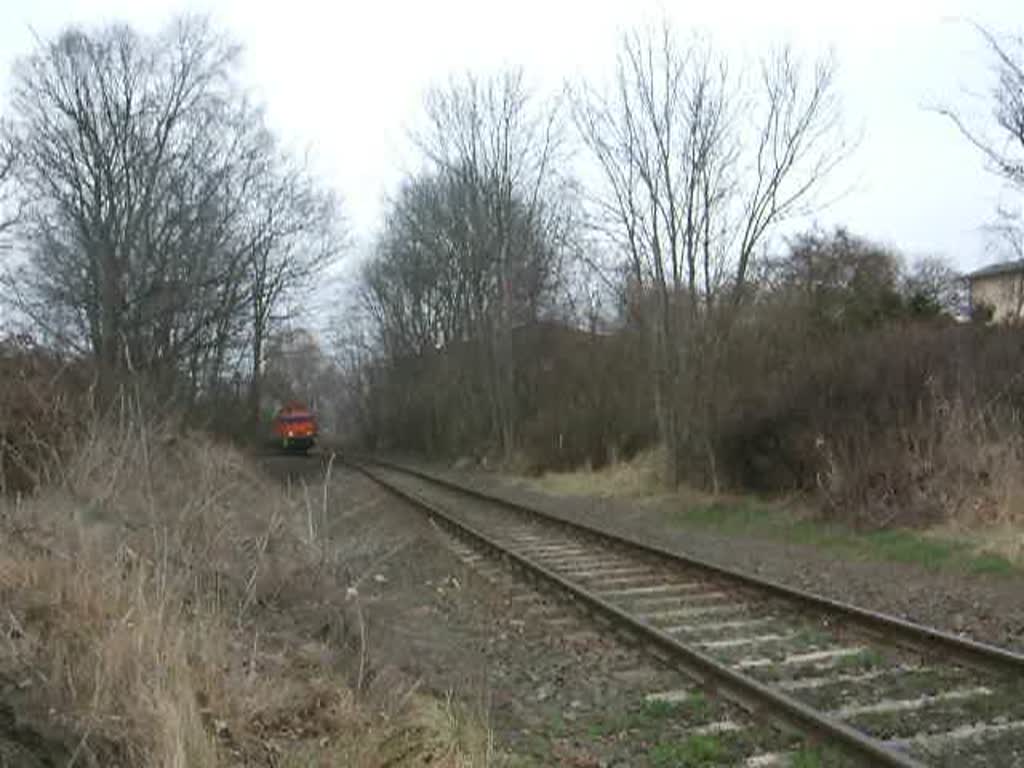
(346, 80)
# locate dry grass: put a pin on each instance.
(638, 477)
(957, 469)
(1003, 540)
(148, 617)
(981, 475)
(41, 402)
(974, 469)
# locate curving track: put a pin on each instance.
(880, 690)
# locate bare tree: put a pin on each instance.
(1005, 149)
(8, 216)
(293, 233)
(497, 223)
(933, 287)
(699, 164)
(162, 224)
(115, 133)
(414, 289)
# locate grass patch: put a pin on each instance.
(976, 549)
(658, 710)
(695, 705)
(638, 478)
(930, 549)
(649, 718)
(653, 711)
(697, 750)
(808, 757)
(866, 659)
(609, 726)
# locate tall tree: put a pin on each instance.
(119, 138)
(292, 233)
(699, 163)
(476, 242)
(162, 225)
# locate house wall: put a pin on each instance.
(1002, 292)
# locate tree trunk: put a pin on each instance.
(256, 383)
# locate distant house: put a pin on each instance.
(999, 288)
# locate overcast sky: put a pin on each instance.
(346, 80)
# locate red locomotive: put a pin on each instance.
(294, 427)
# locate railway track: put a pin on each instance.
(877, 689)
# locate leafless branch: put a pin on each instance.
(1005, 152)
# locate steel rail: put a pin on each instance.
(761, 700)
(964, 650)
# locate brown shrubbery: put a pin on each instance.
(43, 404)
(900, 424)
(841, 374)
(576, 398)
(160, 607)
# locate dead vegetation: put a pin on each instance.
(166, 605)
(897, 425)
(41, 402)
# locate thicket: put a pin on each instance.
(906, 423)
(575, 398)
(44, 399)
(844, 376)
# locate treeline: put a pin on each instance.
(563, 281)
(511, 312)
(153, 224)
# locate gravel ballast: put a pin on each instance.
(985, 607)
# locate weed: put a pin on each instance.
(807, 757)
(697, 704)
(866, 659)
(611, 725)
(697, 750)
(557, 722)
(811, 636)
(658, 709)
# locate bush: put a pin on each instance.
(904, 424)
(43, 409)
(574, 398)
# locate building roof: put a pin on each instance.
(1000, 268)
